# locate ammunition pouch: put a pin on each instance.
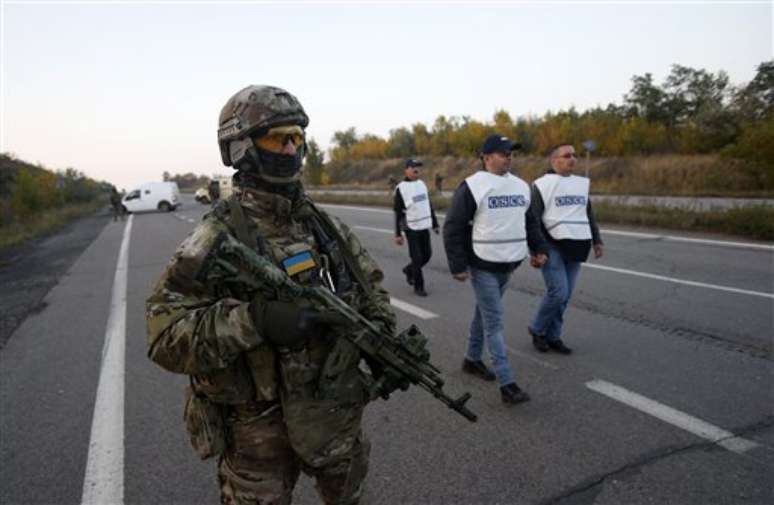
(232, 385)
(340, 377)
(205, 424)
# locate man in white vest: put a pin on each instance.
(487, 234)
(561, 201)
(414, 216)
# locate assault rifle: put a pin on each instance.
(403, 359)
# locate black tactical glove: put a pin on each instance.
(289, 324)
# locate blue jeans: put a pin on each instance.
(559, 276)
(487, 323)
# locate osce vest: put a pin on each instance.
(417, 202)
(565, 199)
(499, 231)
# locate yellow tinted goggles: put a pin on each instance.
(276, 139)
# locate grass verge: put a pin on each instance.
(45, 223)
(751, 222)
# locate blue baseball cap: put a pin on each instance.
(497, 143)
(412, 162)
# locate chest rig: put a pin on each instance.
(306, 244)
(297, 238)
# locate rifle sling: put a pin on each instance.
(345, 253)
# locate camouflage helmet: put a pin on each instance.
(249, 113)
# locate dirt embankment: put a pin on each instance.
(677, 175)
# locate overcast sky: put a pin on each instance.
(126, 90)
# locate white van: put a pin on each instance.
(163, 196)
(226, 186)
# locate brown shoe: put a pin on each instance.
(477, 368)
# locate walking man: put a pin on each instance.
(486, 234)
(561, 201)
(414, 216)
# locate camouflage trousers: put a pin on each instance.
(260, 467)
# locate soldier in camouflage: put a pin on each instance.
(274, 389)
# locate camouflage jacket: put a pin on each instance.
(206, 331)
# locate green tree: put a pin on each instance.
(647, 100)
(343, 141)
(313, 164)
(401, 143)
(755, 101)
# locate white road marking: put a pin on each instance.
(349, 207)
(412, 309)
(680, 281)
(670, 238)
(644, 274)
(674, 417)
(103, 482)
(380, 230)
(675, 238)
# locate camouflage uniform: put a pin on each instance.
(277, 422)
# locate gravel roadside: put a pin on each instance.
(29, 271)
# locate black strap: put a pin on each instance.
(344, 248)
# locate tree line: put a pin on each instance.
(26, 189)
(693, 111)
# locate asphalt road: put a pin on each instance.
(668, 398)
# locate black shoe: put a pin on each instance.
(511, 393)
(420, 292)
(409, 277)
(539, 341)
(558, 346)
(477, 368)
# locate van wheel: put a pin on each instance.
(165, 207)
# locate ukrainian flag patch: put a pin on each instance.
(298, 263)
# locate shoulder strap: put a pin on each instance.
(238, 221)
(343, 247)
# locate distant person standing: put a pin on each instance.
(213, 190)
(414, 216)
(116, 204)
(486, 234)
(438, 182)
(561, 201)
(392, 182)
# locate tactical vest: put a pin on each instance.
(565, 199)
(499, 231)
(326, 367)
(417, 201)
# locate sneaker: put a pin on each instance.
(477, 368)
(511, 393)
(558, 346)
(539, 341)
(420, 292)
(409, 277)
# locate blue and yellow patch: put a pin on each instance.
(298, 263)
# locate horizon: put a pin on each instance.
(125, 91)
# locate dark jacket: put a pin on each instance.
(399, 206)
(571, 250)
(458, 235)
